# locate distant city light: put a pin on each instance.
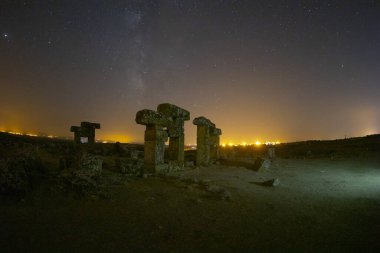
(271, 143)
(27, 134)
(245, 144)
(15, 133)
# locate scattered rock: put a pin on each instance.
(205, 182)
(222, 192)
(92, 164)
(13, 177)
(271, 152)
(130, 167)
(189, 164)
(84, 176)
(17, 173)
(269, 183)
(261, 164)
(134, 155)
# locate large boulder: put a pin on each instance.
(84, 175)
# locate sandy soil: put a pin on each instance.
(319, 206)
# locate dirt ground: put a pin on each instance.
(318, 206)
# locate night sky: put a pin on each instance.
(260, 70)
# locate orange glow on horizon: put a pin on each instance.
(111, 138)
(114, 138)
(257, 143)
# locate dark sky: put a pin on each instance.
(260, 70)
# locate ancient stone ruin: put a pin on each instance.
(154, 138)
(214, 144)
(207, 141)
(85, 134)
(176, 132)
(166, 122)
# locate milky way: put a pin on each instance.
(261, 70)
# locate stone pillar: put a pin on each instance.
(154, 138)
(76, 131)
(88, 130)
(203, 140)
(175, 128)
(85, 134)
(214, 143)
(271, 153)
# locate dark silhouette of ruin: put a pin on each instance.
(207, 141)
(85, 133)
(176, 132)
(166, 122)
(214, 144)
(154, 139)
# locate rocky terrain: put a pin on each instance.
(315, 196)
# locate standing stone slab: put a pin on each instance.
(175, 128)
(85, 134)
(155, 138)
(203, 140)
(214, 143)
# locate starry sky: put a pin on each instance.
(260, 70)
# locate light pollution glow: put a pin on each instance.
(125, 139)
(224, 139)
(359, 122)
(305, 70)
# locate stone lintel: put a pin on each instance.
(150, 117)
(202, 121)
(74, 129)
(173, 111)
(86, 124)
(216, 131)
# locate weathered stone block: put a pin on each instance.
(202, 121)
(149, 117)
(175, 129)
(167, 121)
(85, 133)
(207, 141)
(130, 167)
(173, 111)
(89, 125)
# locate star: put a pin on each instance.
(5, 35)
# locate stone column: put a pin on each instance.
(215, 142)
(203, 140)
(76, 131)
(155, 138)
(175, 128)
(87, 130)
